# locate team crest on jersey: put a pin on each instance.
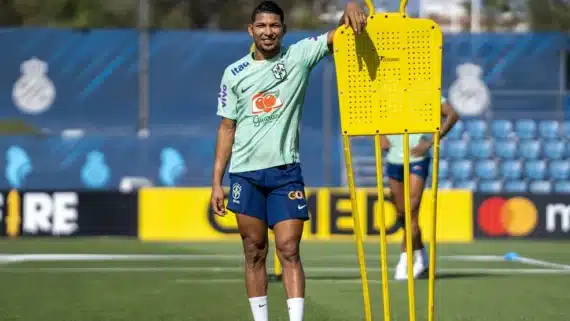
(265, 102)
(279, 71)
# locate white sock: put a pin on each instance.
(259, 308)
(295, 306)
(418, 254)
(403, 258)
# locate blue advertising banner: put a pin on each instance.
(101, 162)
(59, 79)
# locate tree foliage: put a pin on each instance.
(549, 15)
(216, 14)
(542, 15)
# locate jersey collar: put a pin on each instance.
(266, 61)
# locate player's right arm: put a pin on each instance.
(227, 102)
(353, 16)
(311, 50)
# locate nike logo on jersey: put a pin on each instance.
(300, 207)
(243, 90)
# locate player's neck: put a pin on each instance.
(258, 55)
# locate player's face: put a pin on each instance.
(267, 31)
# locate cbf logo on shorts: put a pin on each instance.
(236, 192)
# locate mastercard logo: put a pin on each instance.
(498, 216)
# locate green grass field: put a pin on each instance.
(203, 281)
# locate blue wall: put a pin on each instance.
(95, 75)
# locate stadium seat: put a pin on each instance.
(442, 149)
(529, 149)
(535, 170)
(456, 149)
(559, 170)
(515, 186)
(443, 171)
(490, 187)
(511, 169)
(481, 149)
(466, 184)
(549, 129)
(457, 131)
(562, 187)
(506, 149)
(525, 128)
(566, 129)
(476, 128)
(540, 187)
(444, 184)
(486, 169)
(554, 149)
(461, 169)
(501, 128)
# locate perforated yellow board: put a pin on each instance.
(389, 76)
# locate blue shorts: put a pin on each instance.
(272, 195)
(421, 169)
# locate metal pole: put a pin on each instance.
(563, 82)
(475, 16)
(143, 27)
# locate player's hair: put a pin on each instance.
(268, 7)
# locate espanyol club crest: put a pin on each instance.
(34, 92)
(279, 71)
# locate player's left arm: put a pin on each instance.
(451, 117)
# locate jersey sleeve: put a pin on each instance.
(227, 100)
(311, 50)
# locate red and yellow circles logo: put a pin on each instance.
(516, 216)
(265, 102)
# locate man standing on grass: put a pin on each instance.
(260, 102)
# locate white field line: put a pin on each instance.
(18, 258)
(545, 264)
(214, 269)
(309, 281)
(14, 258)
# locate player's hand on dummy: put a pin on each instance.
(421, 148)
(354, 16)
(217, 201)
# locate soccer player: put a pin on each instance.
(419, 169)
(260, 102)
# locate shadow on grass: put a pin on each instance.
(439, 276)
(462, 275)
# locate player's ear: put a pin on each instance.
(284, 29)
(250, 29)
